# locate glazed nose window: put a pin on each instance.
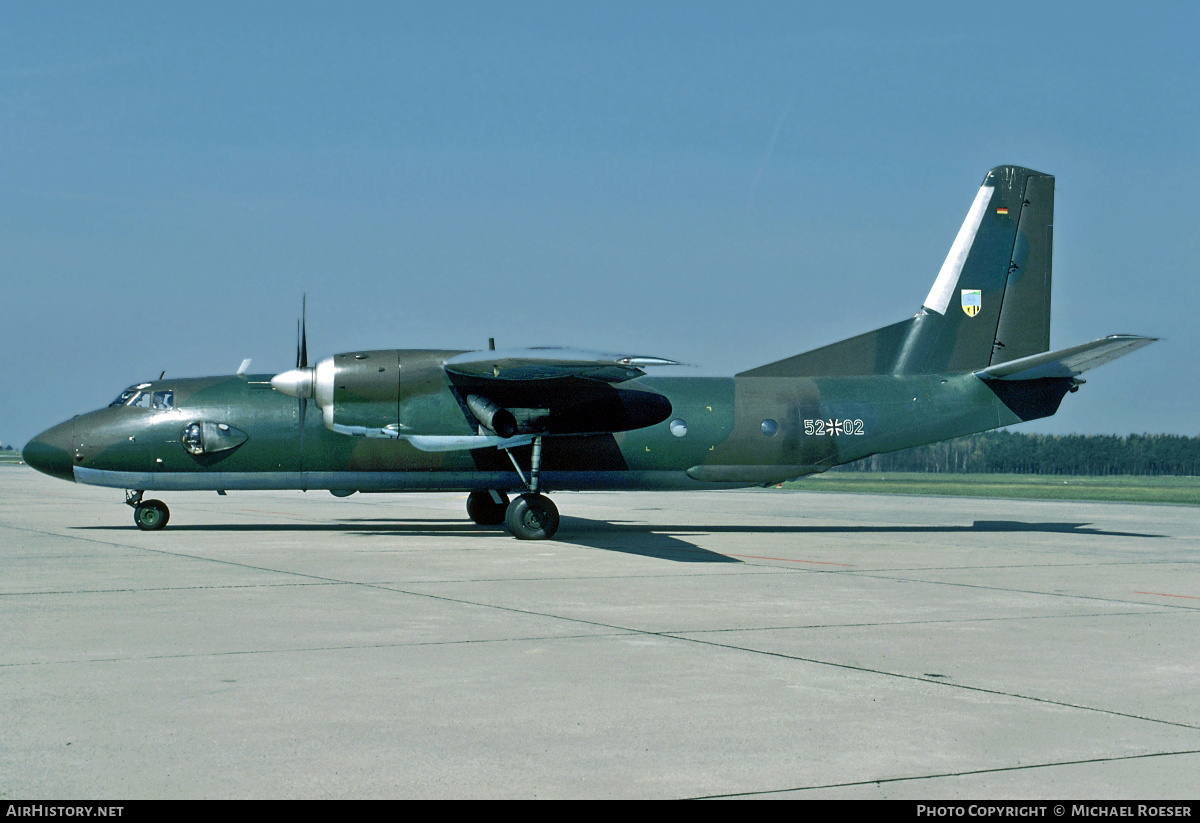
(193, 438)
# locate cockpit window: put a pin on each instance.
(124, 397)
(136, 397)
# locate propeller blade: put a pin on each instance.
(302, 363)
(302, 360)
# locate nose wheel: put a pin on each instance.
(148, 515)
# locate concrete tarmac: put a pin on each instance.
(755, 643)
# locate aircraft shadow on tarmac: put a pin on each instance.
(667, 542)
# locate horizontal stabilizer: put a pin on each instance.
(1067, 362)
(546, 363)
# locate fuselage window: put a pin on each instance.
(770, 427)
(163, 400)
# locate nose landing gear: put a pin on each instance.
(148, 515)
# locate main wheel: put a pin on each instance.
(532, 517)
(151, 515)
(484, 510)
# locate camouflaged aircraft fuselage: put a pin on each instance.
(721, 432)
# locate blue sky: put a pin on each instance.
(723, 184)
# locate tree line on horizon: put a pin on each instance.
(1005, 452)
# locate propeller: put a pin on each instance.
(302, 358)
(298, 382)
(302, 335)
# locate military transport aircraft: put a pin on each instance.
(974, 357)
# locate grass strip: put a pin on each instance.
(1124, 489)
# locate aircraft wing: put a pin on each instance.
(1067, 362)
(542, 363)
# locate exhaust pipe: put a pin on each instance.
(492, 416)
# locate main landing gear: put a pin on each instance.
(531, 516)
(487, 508)
(149, 515)
(528, 517)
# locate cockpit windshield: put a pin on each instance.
(124, 397)
(138, 397)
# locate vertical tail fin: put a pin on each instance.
(990, 302)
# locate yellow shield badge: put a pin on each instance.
(972, 301)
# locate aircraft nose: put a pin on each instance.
(50, 453)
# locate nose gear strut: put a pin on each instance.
(148, 515)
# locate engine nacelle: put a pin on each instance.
(359, 392)
(384, 393)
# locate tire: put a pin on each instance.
(532, 517)
(484, 510)
(151, 515)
